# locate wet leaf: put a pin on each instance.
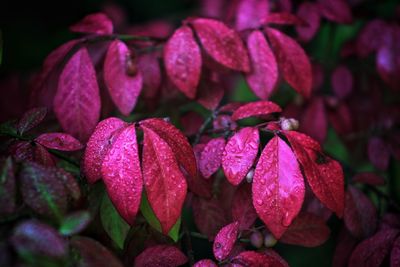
(211, 156)
(160, 255)
(225, 240)
(59, 141)
(255, 109)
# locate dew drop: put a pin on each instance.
(259, 202)
(286, 221)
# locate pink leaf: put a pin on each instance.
(177, 141)
(124, 87)
(242, 207)
(307, 230)
(77, 102)
(222, 43)
(122, 175)
(378, 153)
(59, 141)
(395, 253)
(252, 258)
(205, 263)
(151, 72)
(368, 178)
(250, 14)
(263, 76)
(211, 156)
(160, 255)
(342, 81)
(278, 186)
(308, 12)
(371, 37)
(292, 61)
(240, 153)
(98, 145)
(225, 240)
(97, 23)
(182, 59)
(336, 10)
(164, 182)
(314, 120)
(255, 109)
(31, 119)
(360, 214)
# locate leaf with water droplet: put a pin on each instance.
(205, 263)
(255, 109)
(59, 141)
(211, 156)
(225, 240)
(160, 255)
(242, 207)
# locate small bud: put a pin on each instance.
(289, 124)
(269, 240)
(256, 239)
(130, 63)
(249, 176)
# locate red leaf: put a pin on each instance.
(124, 88)
(372, 251)
(77, 102)
(342, 81)
(177, 141)
(222, 43)
(122, 174)
(283, 18)
(225, 240)
(345, 245)
(59, 141)
(378, 153)
(164, 182)
(205, 263)
(307, 230)
(97, 23)
(278, 186)
(324, 174)
(98, 145)
(182, 59)
(210, 94)
(151, 73)
(309, 13)
(242, 207)
(240, 153)
(31, 119)
(252, 258)
(395, 253)
(255, 109)
(368, 178)
(360, 215)
(197, 184)
(250, 14)
(211, 156)
(292, 61)
(336, 10)
(314, 120)
(263, 76)
(274, 259)
(160, 255)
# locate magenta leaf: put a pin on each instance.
(309, 13)
(123, 86)
(242, 207)
(211, 156)
(77, 102)
(307, 230)
(164, 182)
(182, 58)
(98, 145)
(344, 247)
(368, 178)
(336, 10)
(314, 120)
(395, 253)
(222, 43)
(371, 37)
(252, 258)
(263, 76)
(278, 186)
(255, 109)
(160, 255)
(210, 93)
(251, 13)
(97, 23)
(378, 153)
(59, 141)
(151, 73)
(43, 156)
(342, 81)
(283, 18)
(205, 263)
(225, 240)
(31, 119)
(292, 61)
(240, 153)
(122, 174)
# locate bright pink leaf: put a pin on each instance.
(395, 253)
(164, 182)
(124, 88)
(292, 61)
(368, 178)
(314, 120)
(309, 13)
(242, 207)
(263, 76)
(59, 141)
(342, 81)
(222, 43)
(225, 240)
(240, 153)
(252, 258)
(182, 59)
(255, 109)
(378, 153)
(205, 263)
(211, 156)
(336, 10)
(251, 13)
(97, 23)
(31, 119)
(160, 255)
(77, 102)
(122, 175)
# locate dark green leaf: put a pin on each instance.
(74, 223)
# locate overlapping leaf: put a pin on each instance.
(59, 141)
(255, 109)
(225, 240)
(97, 23)
(242, 207)
(160, 255)
(211, 156)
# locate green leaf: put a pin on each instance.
(335, 147)
(153, 221)
(116, 227)
(74, 223)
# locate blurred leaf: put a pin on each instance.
(74, 223)
(113, 224)
(7, 186)
(242, 92)
(344, 33)
(8, 128)
(335, 147)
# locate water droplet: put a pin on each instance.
(262, 181)
(259, 202)
(286, 221)
(218, 245)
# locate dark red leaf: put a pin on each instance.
(378, 153)
(314, 120)
(31, 119)
(164, 182)
(292, 61)
(255, 109)
(182, 59)
(225, 240)
(222, 43)
(274, 259)
(336, 10)
(368, 178)
(240, 153)
(345, 245)
(211, 156)
(395, 253)
(151, 73)
(341, 119)
(242, 207)
(315, 207)
(160, 255)
(252, 258)
(197, 184)
(98, 145)
(309, 13)
(278, 186)
(122, 174)
(59, 141)
(43, 157)
(77, 102)
(251, 13)
(263, 76)
(205, 263)
(7, 186)
(283, 18)
(360, 214)
(372, 251)
(210, 94)
(342, 81)
(389, 220)
(307, 230)
(97, 23)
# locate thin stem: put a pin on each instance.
(198, 235)
(203, 127)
